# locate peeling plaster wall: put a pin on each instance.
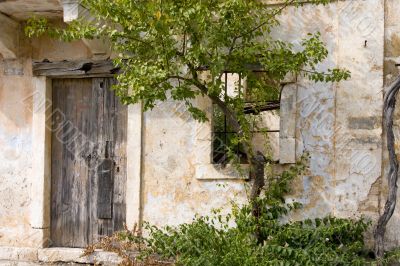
(171, 193)
(16, 99)
(315, 109)
(54, 50)
(338, 124)
(15, 153)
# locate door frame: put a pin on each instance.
(42, 111)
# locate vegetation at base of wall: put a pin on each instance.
(219, 240)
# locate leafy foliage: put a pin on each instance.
(163, 46)
(328, 241)
(214, 241)
(219, 240)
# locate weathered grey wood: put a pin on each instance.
(69, 171)
(112, 123)
(86, 202)
(105, 189)
(255, 108)
(390, 205)
(81, 68)
(119, 121)
(95, 134)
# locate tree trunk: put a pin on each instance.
(257, 161)
(257, 174)
(388, 111)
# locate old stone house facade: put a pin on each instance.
(163, 170)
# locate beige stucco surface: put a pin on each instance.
(338, 124)
(16, 139)
(171, 193)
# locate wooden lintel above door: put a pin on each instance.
(75, 69)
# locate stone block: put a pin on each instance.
(392, 11)
(370, 122)
(53, 255)
(392, 41)
(288, 111)
(18, 254)
(287, 150)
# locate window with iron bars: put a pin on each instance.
(224, 149)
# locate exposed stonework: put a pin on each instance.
(55, 256)
(24, 9)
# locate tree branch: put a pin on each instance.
(257, 161)
(230, 115)
(277, 11)
(229, 55)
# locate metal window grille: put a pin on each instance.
(223, 150)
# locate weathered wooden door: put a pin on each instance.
(88, 161)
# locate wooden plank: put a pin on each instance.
(81, 68)
(112, 125)
(100, 227)
(96, 113)
(56, 171)
(120, 124)
(105, 189)
(70, 208)
(82, 111)
(106, 168)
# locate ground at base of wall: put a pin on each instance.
(25, 263)
(18, 256)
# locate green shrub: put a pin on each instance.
(212, 241)
(242, 238)
(329, 241)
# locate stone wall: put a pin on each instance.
(338, 124)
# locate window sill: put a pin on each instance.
(219, 172)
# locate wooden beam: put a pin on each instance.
(75, 69)
(256, 108)
(9, 30)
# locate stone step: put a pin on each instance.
(55, 256)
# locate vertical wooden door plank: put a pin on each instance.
(56, 168)
(95, 125)
(105, 175)
(104, 228)
(69, 171)
(120, 125)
